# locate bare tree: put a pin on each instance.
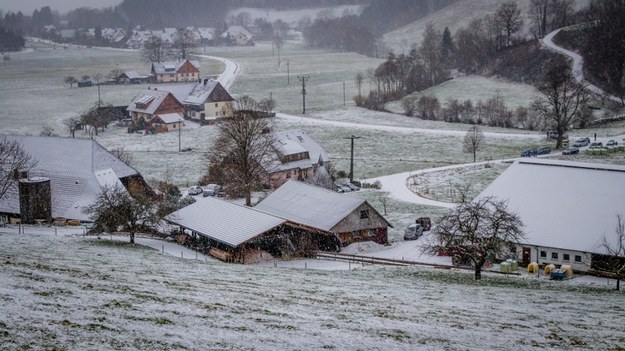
(13, 158)
(184, 43)
(243, 151)
(97, 117)
(359, 79)
(473, 141)
(562, 98)
(154, 49)
(72, 124)
(475, 231)
(115, 208)
(123, 155)
(615, 249)
(509, 18)
(538, 12)
(47, 131)
(70, 80)
(114, 74)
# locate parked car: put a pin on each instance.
(413, 231)
(353, 187)
(543, 150)
(596, 144)
(195, 190)
(570, 151)
(211, 190)
(612, 143)
(342, 188)
(581, 142)
(529, 153)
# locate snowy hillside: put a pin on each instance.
(84, 293)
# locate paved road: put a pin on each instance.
(578, 64)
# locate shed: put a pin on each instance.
(351, 219)
(242, 234)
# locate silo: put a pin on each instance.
(35, 199)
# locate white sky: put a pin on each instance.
(28, 6)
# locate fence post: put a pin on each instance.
(181, 254)
(275, 264)
(163, 248)
(305, 265)
(55, 229)
(349, 265)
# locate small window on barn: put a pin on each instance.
(578, 258)
(554, 255)
(216, 104)
(566, 257)
(364, 214)
(543, 254)
(288, 174)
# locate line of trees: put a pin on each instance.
(347, 33)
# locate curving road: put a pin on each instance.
(230, 73)
(578, 64)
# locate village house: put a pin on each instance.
(298, 157)
(349, 218)
(131, 77)
(237, 35)
(176, 71)
(566, 208)
(205, 102)
(149, 103)
(69, 175)
(241, 234)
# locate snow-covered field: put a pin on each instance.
(83, 293)
(292, 17)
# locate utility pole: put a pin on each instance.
(343, 93)
(351, 159)
(303, 79)
(288, 75)
(179, 132)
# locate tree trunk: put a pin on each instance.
(132, 237)
(618, 283)
(478, 272)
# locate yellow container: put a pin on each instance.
(549, 268)
(568, 271)
(532, 267)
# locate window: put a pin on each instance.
(578, 258)
(364, 214)
(171, 75)
(554, 255)
(288, 174)
(543, 254)
(216, 104)
(566, 257)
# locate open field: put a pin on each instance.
(83, 293)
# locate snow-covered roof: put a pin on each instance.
(206, 33)
(169, 118)
(153, 99)
(292, 142)
(309, 205)
(224, 221)
(233, 31)
(76, 168)
(563, 204)
(168, 67)
(133, 75)
(198, 93)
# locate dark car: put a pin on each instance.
(413, 232)
(529, 153)
(596, 145)
(543, 150)
(612, 143)
(570, 151)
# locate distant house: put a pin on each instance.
(67, 34)
(237, 35)
(69, 175)
(131, 77)
(349, 218)
(176, 71)
(166, 122)
(206, 102)
(148, 103)
(298, 157)
(566, 207)
(242, 234)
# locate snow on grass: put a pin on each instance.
(80, 293)
(478, 88)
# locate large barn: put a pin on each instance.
(243, 234)
(69, 174)
(567, 209)
(351, 219)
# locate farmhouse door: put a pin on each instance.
(527, 255)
